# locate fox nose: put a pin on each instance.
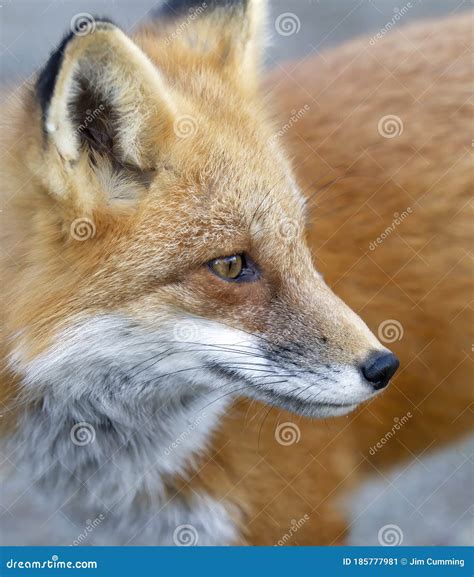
(379, 369)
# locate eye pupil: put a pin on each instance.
(235, 266)
(229, 267)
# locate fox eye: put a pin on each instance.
(228, 267)
(236, 267)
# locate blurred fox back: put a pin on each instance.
(380, 131)
(385, 155)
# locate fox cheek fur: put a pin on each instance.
(146, 160)
(203, 196)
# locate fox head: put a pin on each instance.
(166, 250)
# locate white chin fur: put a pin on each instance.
(152, 398)
(180, 359)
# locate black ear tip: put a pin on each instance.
(81, 25)
(47, 76)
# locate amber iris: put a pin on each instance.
(228, 267)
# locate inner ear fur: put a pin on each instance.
(101, 93)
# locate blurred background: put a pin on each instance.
(432, 498)
(30, 29)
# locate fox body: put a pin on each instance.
(157, 266)
(390, 228)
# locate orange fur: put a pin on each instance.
(418, 276)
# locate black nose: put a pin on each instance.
(380, 368)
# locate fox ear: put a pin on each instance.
(100, 94)
(229, 33)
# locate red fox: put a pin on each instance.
(158, 266)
